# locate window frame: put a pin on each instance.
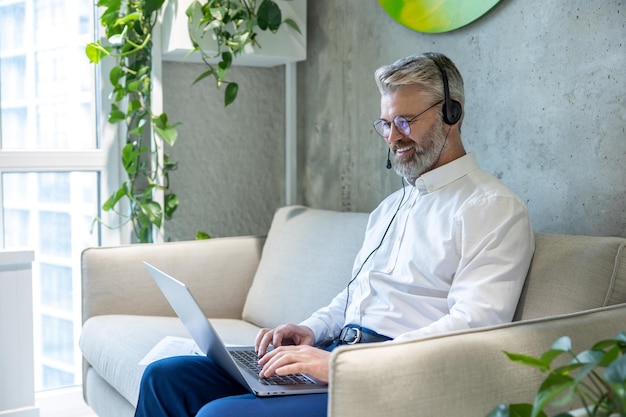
(103, 160)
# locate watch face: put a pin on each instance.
(436, 16)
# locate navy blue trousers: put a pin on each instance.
(188, 386)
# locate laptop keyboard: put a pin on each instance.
(250, 361)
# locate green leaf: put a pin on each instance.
(110, 3)
(153, 211)
(169, 135)
(139, 129)
(143, 70)
(610, 356)
(217, 13)
(112, 201)
(145, 86)
(160, 121)
(200, 235)
(213, 24)
(227, 59)
(528, 361)
(564, 344)
(222, 69)
(269, 16)
(593, 357)
(513, 410)
(552, 387)
(130, 158)
(167, 132)
(116, 115)
(550, 355)
(118, 93)
(110, 15)
(134, 85)
(523, 410)
(131, 17)
(291, 23)
(133, 106)
(145, 233)
(615, 373)
(95, 52)
(116, 40)
(171, 204)
(151, 6)
(561, 345)
(169, 165)
(205, 74)
(116, 75)
(230, 94)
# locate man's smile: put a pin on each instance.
(403, 150)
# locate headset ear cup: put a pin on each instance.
(452, 111)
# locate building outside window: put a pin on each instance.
(52, 166)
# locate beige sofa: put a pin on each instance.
(576, 287)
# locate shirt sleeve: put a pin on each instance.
(328, 321)
(496, 244)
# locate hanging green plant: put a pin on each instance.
(129, 27)
(232, 25)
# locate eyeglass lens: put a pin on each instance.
(383, 127)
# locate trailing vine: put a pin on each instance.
(128, 29)
(233, 25)
(129, 25)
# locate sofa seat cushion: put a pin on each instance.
(114, 344)
(307, 259)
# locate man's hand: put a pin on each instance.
(296, 359)
(287, 334)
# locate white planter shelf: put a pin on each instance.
(283, 47)
(17, 380)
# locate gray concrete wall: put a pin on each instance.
(545, 106)
(230, 178)
(545, 112)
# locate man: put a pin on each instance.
(449, 251)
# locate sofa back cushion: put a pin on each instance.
(573, 273)
(307, 259)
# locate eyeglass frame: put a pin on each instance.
(396, 119)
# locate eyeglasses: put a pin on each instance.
(383, 127)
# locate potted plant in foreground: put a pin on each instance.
(597, 377)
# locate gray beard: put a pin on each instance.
(425, 157)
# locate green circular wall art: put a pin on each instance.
(436, 16)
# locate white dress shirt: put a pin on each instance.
(455, 257)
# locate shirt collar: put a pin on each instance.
(445, 174)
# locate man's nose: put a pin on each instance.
(394, 134)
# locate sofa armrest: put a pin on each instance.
(456, 375)
(218, 271)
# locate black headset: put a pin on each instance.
(452, 109)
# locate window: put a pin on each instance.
(53, 166)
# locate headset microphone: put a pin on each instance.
(388, 166)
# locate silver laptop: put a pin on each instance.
(239, 362)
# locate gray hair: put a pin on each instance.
(422, 70)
